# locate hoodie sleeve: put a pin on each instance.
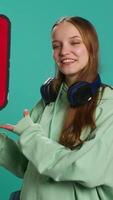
(10, 156)
(28, 121)
(91, 165)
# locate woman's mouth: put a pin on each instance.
(68, 61)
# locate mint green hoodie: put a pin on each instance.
(52, 171)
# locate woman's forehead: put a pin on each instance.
(65, 29)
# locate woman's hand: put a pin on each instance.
(8, 127)
(11, 127)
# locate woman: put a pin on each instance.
(65, 146)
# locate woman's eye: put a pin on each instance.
(56, 46)
(75, 43)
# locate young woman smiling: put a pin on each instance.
(65, 146)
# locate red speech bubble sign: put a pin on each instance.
(4, 59)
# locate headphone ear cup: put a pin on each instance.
(82, 92)
(79, 94)
(47, 92)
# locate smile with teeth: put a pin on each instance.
(68, 60)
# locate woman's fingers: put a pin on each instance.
(10, 127)
(26, 112)
(7, 127)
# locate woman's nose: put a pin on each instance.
(64, 50)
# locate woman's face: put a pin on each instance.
(69, 51)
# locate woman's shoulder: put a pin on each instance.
(106, 98)
(107, 92)
(37, 110)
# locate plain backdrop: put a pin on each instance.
(31, 61)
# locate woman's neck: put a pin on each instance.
(70, 80)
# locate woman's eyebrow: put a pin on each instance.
(55, 41)
(78, 37)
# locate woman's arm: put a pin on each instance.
(91, 165)
(10, 156)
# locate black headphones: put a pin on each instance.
(78, 93)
